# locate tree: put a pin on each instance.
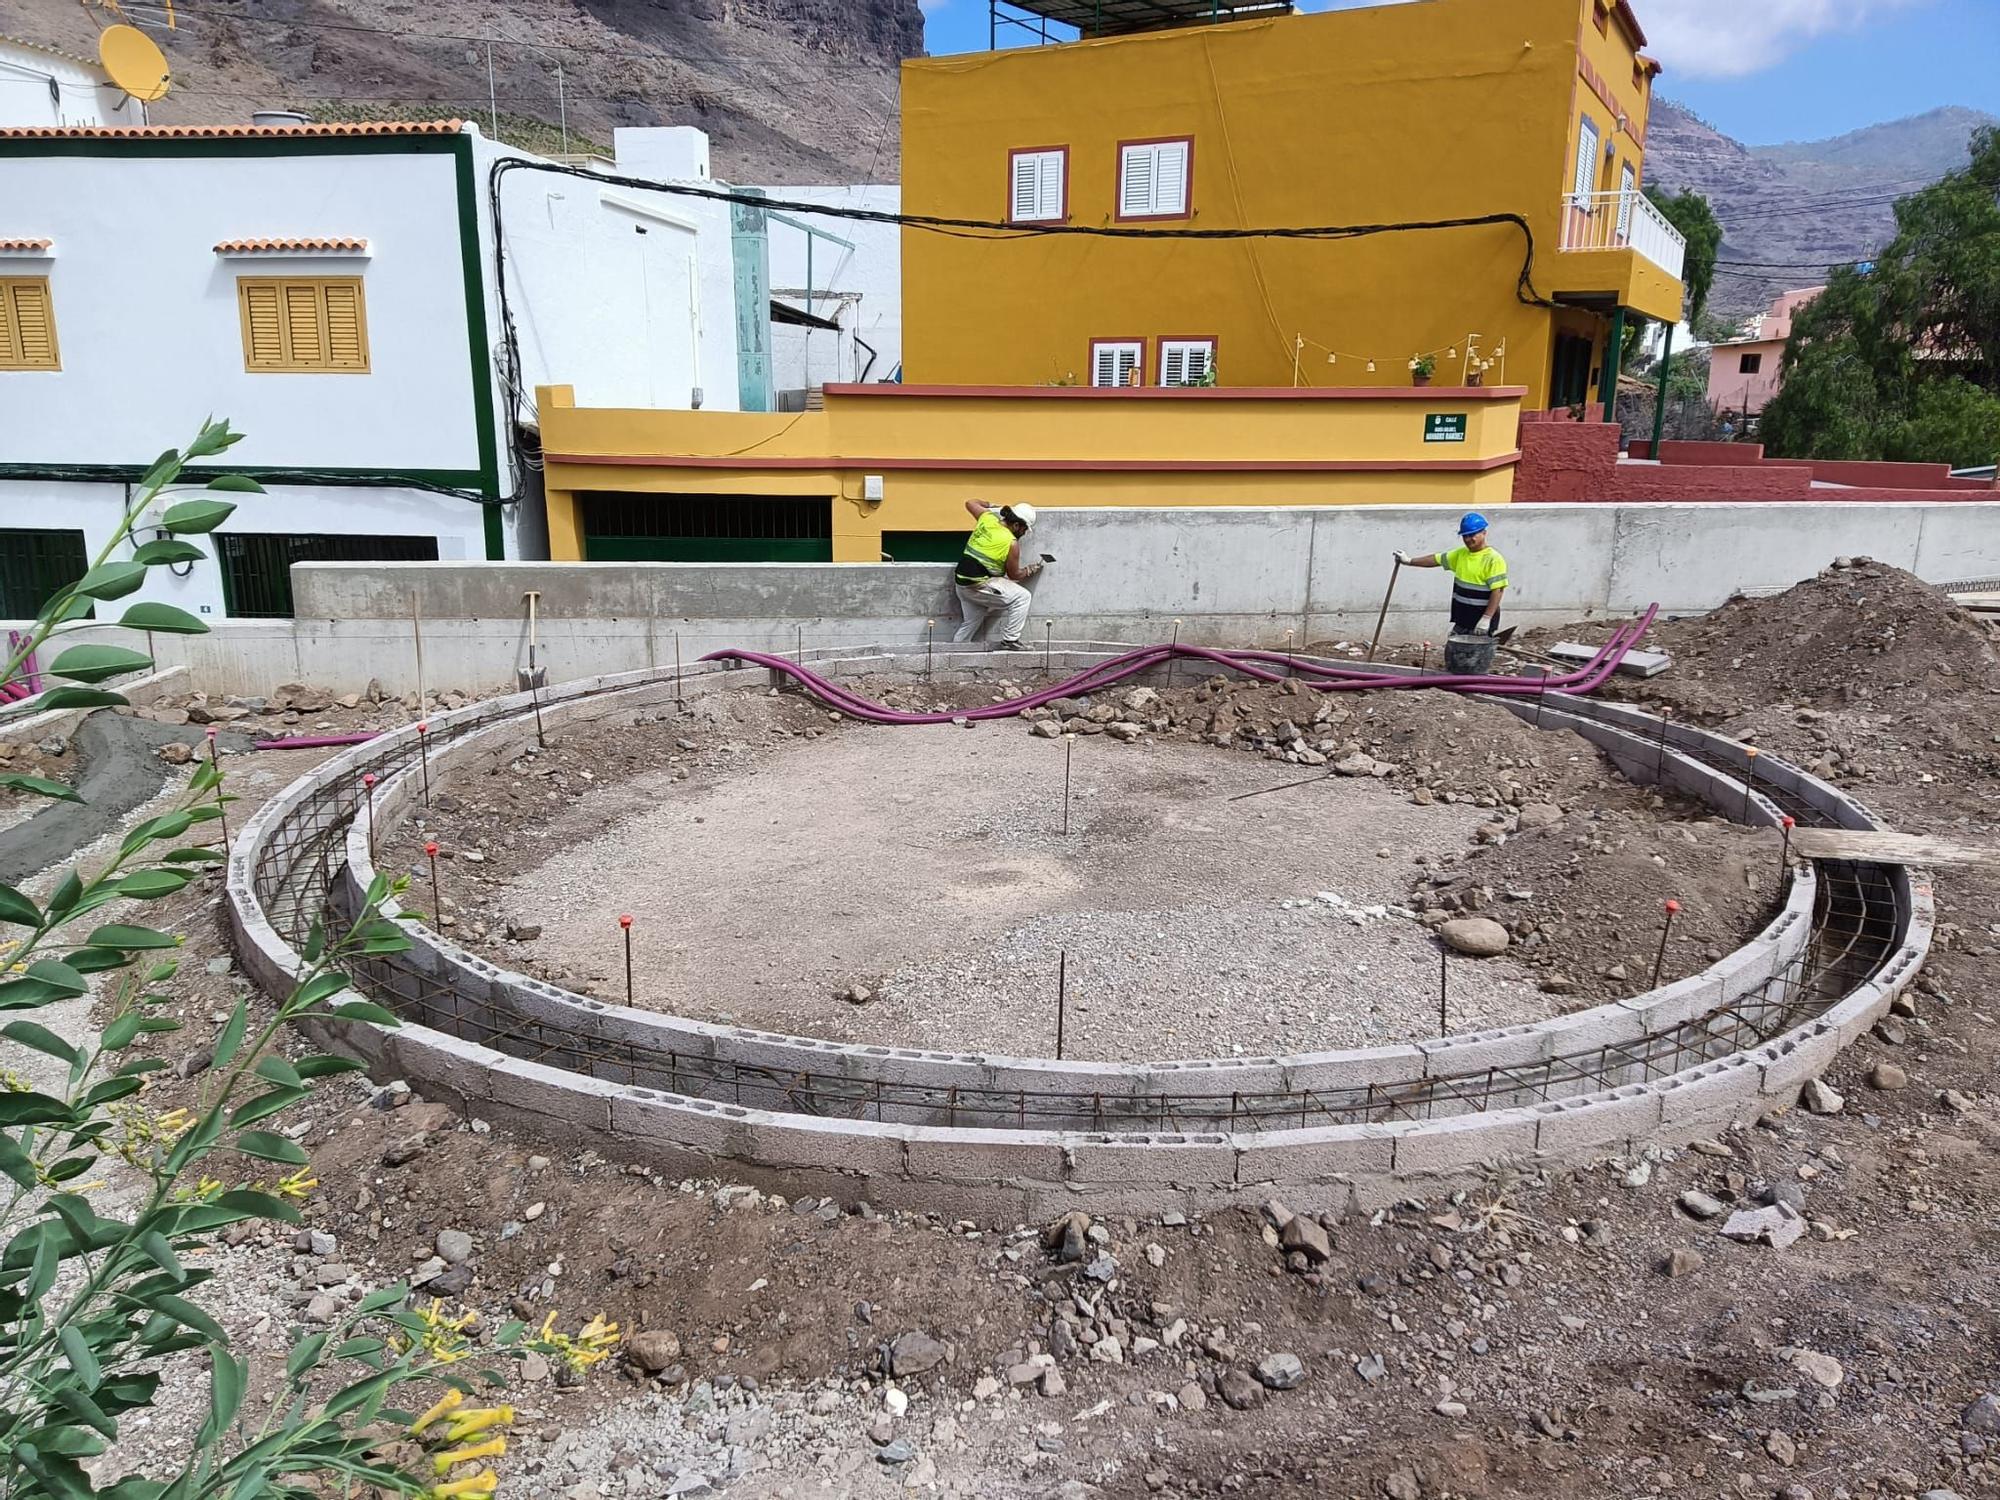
(1900, 358)
(1688, 211)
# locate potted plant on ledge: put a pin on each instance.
(1421, 368)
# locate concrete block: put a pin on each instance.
(1596, 1123)
(1151, 1160)
(1730, 1088)
(555, 1096)
(1476, 1052)
(804, 1142)
(1785, 1064)
(940, 1155)
(1334, 1072)
(1465, 1143)
(1320, 1154)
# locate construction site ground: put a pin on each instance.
(1573, 1337)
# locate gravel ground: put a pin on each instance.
(928, 866)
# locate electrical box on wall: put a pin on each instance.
(871, 488)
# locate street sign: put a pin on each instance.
(1444, 427)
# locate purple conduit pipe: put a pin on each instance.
(319, 741)
(1585, 679)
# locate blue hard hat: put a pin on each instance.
(1472, 521)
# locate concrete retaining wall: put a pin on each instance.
(1230, 575)
(1026, 1172)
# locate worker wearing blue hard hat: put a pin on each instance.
(1478, 576)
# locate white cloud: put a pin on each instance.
(1731, 39)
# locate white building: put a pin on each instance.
(46, 86)
(335, 292)
(847, 273)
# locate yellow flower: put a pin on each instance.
(446, 1403)
(481, 1484)
(451, 1458)
(593, 1342)
(464, 1424)
(298, 1185)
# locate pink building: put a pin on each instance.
(1743, 372)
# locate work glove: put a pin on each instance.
(1402, 557)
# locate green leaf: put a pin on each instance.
(70, 1167)
(165, 467)
(231, 1036)
(269, 1147)
(54, 971)
(305, 1355)
(31, 1109)
(125, 938)
(112, 580)
(324, 1067)
(315, 941)
(185, 1312)
(266, 1105)
(80, 1406)
(381, 1298)
(256, 1205)
(96, 960)
(18, 909)
(40, 786)
(160, 1253)
(15, 1163)
(225, 1395)
(80, 1358)
(167, 550)
(195, 856)
(28, 1034)
(27, 994)
(121, 1033)
(319, 987)
(151, 885)
(76, 697)
(166, 826)
(274, 1069)
(164, 618)
(359, 1348)
(363, 1010)
(91, 663)
(241, 484)
(213, 438)
(194, 516)
(510, 1333)
(61, 1475)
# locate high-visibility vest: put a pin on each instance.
(1474, 575)
(986, 550)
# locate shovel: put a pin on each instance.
(534, 675)
(1376, 640)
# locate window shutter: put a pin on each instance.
(1104, 365)
(1027, 198)
(347, 346)
(10, 346)
(263, 328)
(1135, 181)
(34, 329)
(1626, 179)
(1170, 161)
(1050, 200)
(304, 332)
(1173, 364)
(1586, 158)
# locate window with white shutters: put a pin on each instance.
(1116, 362)
(1035, 190)
(1153, 179)
(1586, 161)
(1186, 361)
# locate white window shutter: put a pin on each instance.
(1051, 206)
(1170, 177)
(1135, 181)
(1104, 365)
(1173, 364)
(1626, 189)
(1586, 159)
(1026, 202)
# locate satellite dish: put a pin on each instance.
(134, 62)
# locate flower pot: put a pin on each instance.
(1475, 378)
(1417, 377)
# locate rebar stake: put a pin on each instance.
(1673, 907)
(1048, 645)
(437, 898)
(535, 696)
(625, 922)
(1660, 761)
(1424, 661)
(1444, 992)
(1174, 653)
(424, 751)
(1069, 746)
(221, 806)
(1749, 781)
(930, 630)
(368, 790)
(679, 701)
(1787, 822)
(1062, 997)
(1289, 667)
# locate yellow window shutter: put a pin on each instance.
(346, 326)
(305, 338)
(263, 329)
(27, 325)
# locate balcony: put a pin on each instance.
(1618, 250)
(1623, 220)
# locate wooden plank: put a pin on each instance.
(1889, 848)
(1635, 664)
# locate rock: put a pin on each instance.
(914, 1352)
(197, 1061)
(454, 1246)
(450, 1282)
(1822, 1369)
(1046, 729)
(1191, 1397)
(174, 753)
(856, 994)
(1121, 729)
(1888, 1077)
(1892, 1031)
(1281, 1372)
(1238, 1390)
(1699, 1205)
(1820, 1098)
(524, 932)
(1140, 700)
(1982, 1416)
(1540, 814)
(1402, 1485)
(1482, 937)
(895, 1451)
(1052, 1383)
(1357, 764)
(1371, 1367)
(324, 1307)
(1102, 1269)
(404, 1151)
(1778, 1443)
(1068, 1238)
(1682, 1263)
(652, 1349)
(1306, 1235)
(1108, 1351)
(1777, 1226)
(320, 1243)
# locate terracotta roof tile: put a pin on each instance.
(47, 51)
(319, 244)
(24, 247)
(229, 132)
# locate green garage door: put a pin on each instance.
(33, 565)
(706, 528)
(925, 546)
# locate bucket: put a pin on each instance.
(1469, 655)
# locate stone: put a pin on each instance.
(1046, 729)
(1124, 730)
(524, 932)
(454, 1246)
(1402, 1485)
(1778, 1226)
(1888, 1077)
(856, 994)
(320, 1242)
(1357, 764)
(895, 1451)
(1306, 1235)
(1108, 1351)
(1699, 1205)
(1820, 1098)
(197, 1061)
(1068, 1238)
(174, 753)
(1778, 1443)
(652, 1349)
(1191, 1397)
(1052, 1383)
(914, 1352)
(1682, 1262)
(1103, 1269)
(1982, 1416)
(1540, 814)
(1281, 1372)
(1482, 937)
(1822, 1369)
(324, 1307)
(1371, 1367)
(1892, 1031)
(1141, 700)
(1238, 1390)
(450, 1282)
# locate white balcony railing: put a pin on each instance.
(1623, 220)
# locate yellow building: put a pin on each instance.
(1393, 115)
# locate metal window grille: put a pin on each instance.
(707, 528)
(33, 565)
(257, 566)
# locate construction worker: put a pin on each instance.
(990, 574)
(1478, 577)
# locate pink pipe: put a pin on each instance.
(319, 741)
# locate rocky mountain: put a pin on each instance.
(788, 90)
(1802, 205)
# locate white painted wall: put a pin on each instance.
(42, 87)
(871, 274)
(98, 509)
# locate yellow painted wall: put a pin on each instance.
(936, 450)
(1439, 109)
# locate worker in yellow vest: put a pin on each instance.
(990, 574)
(1478, 577)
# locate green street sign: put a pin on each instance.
(1444, 427)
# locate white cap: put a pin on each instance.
(1024, 513)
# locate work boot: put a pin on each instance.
(1008, 646)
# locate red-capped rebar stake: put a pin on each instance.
(221, 812)
(1173, 651)
(424, 751)
(1424, 661)
(1673, 909)
(1788, 823)
(368, 789)
(437, 900)
(1069, 745)
(1749, 781)
(625, 922)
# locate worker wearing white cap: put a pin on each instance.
(990, 574)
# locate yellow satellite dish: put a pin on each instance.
(134, 61)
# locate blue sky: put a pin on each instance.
(1760, 70)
